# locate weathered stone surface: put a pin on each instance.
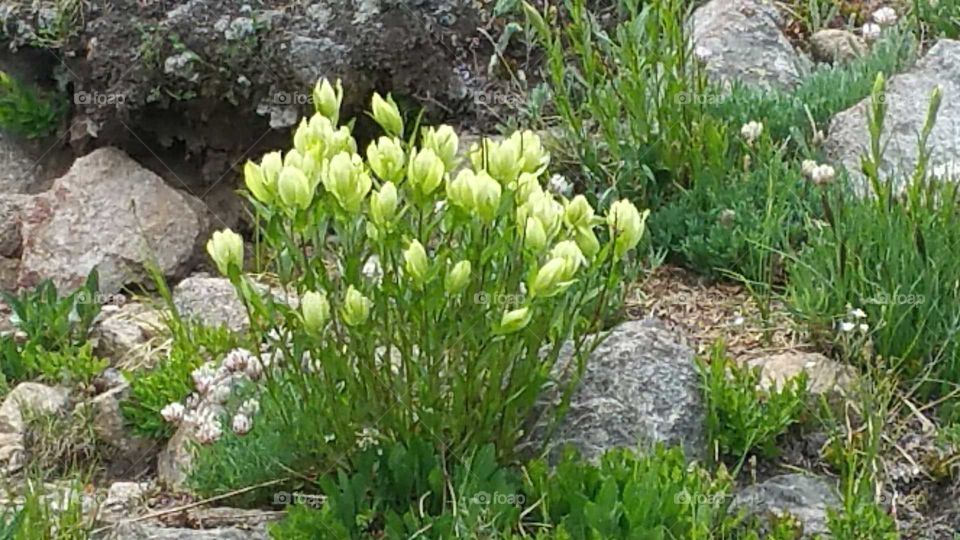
(824, 376)
(832, 44)
(807, 498)
(28, 396)
(111, 427)
(9, 268)
(640, 387)
(107, 212)
(122, 336)
(123, 500)
(176, 459)
(213, 301)
(139, 531)
(907, 99)
(741, 40)
(29, 166)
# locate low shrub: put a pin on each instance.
(28, 112)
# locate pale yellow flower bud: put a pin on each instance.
(504, 161)
(626, 225)
(458, 278)
(534, 159)
(253, 178)
(315, 310)
(425, 172)
(515, 320)
(271, 165)
(383, 204)
(587, 241)
(387, 114)
(485, 194)
(578, 212)
(527, 186)
(459, 190)
(444, 142)
(415, 262)
(356, 307)
(549, 279)
(571, 254)
(387, 159)
(226, 249)
(344, 177)
(534, 238)
(294, 188)
(326, 99)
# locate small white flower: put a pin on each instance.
(858, 313)
(702, 53)
(173, 413)
(249, 407)
(751, 131)
(871, 32)
(885, 16)
(203, 378)
(236, 360)
(367, 437)
(242, 424)
(558, 185)
(220, 393)
(823, 175)
(372, 269)
(329, 438)
(864, 328)
(807, 167)
(847, 327)
(254, 368)
(209, 431)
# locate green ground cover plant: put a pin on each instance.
(26, 111)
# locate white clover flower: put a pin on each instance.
(871, 32)
(173, 413)
(242, 424)
(559, 185)
(220, 392)
(236, 360)
(885, 16)
(858, 313)
(807, 167)
(329, 438)
(372, 269)
(864, 328)
(203, 377)
(847, 327)
(823, 175)
(209, 431)
(367, 437)
(751, 131)
(254, 368)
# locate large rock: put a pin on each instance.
(122, 336)
(824, 376)
(140, 531)
(26, 397)
(111, 428)
(213, 301)
(806, 498)
(640, 387)
(108, 212)
(741, 40)
(907, 99)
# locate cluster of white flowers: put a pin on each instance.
(751, 131)
(819, 174)
(871, 32)
(214, 387)
(856, 321)
(885, 16)
(702, 53)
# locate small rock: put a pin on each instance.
(110, 213)
(806, 498)
(741, 40)
(213, 301)
(824, 376)
(831, 44)
(176, 460)
(139, 531)
(907, 99)
(639, 387)
(10, 239)
(28, 396)
(122, 337)
(110, 427)
(123, 500)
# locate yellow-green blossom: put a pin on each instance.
(458, 277)
(387, 114)
(226, 249)
(356, 307)
(326, 99)
(315, 310)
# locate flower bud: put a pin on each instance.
(578, 213)
(386, 113)
(341, 140)
(626, 225)
(544, 207)
(515, 320)
(459, 190)
(415, 262)
(569, 252)
(527, 185)
(294, 188)
(386, 158)
(253, 178)
(587, 241)
(444, 143)
(425, 172)
(458, 277)
(485, 194)
(504, 161)
(327, 101)
(270, 166)
(226, 249)
(383, 204)
(549, 278)
(356, 307)
(345, 178)
(315, 310)
(533, 157)
(534, 237)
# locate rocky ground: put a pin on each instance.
(173, 96)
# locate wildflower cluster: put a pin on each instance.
(386, 251)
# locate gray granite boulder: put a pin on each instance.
(907, 99)
(806, 498)
(640, 387)
(741, 40)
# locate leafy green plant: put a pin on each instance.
(51, 321)
(939, 18)
(170, 381)
(49, 516)
(442, 305)
(76, 366)
(888, 253)
(28, 112)
(741, 416)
